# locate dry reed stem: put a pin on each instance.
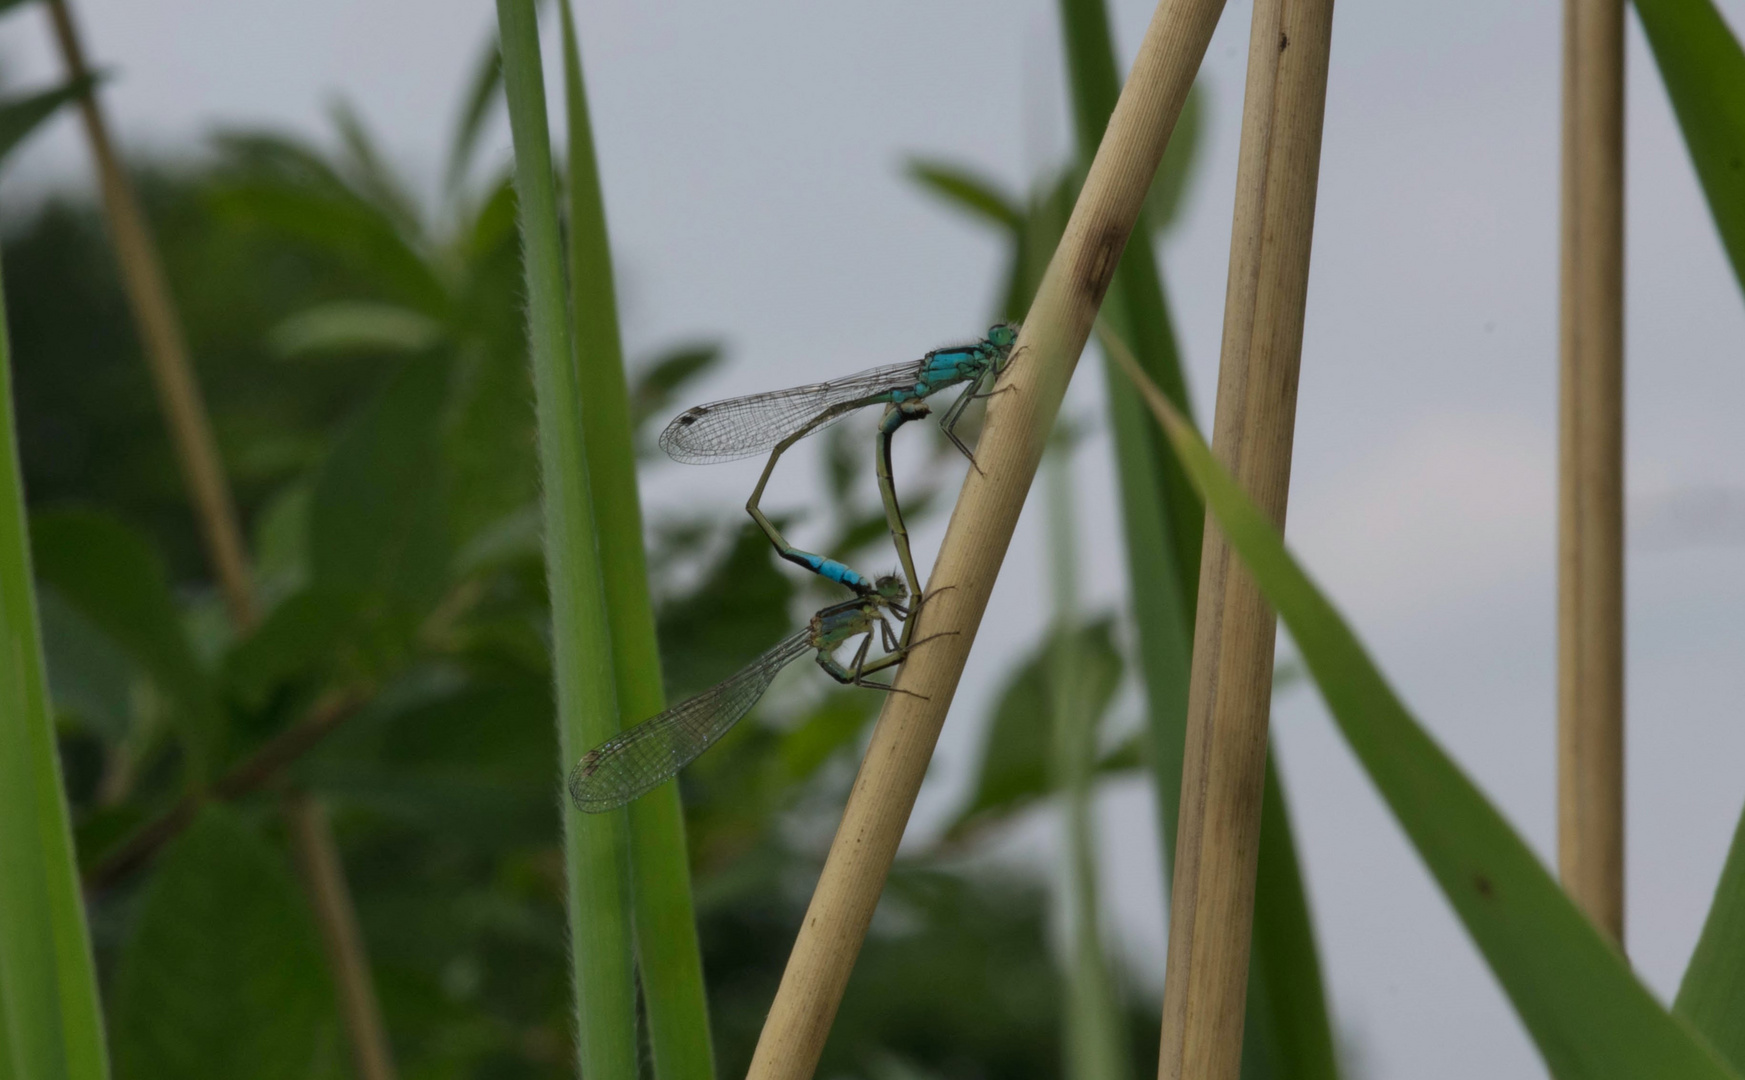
(1019, 417)
(324, 875)
(1230, 689)
(166, 350)
(1590, 565)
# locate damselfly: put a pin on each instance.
(652, 752)
(743, 426)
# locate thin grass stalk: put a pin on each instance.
(51, 1026)
(1287, 1032)
(1230, 694)
(668, 954)
(596, 846)
(1096, 1046)
(166, 347)
(1590, 527)
(1010, 448)
(166, 352)
(342, 939)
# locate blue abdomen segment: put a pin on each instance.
(841, 573)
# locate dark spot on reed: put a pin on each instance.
(1483, 885)
(1100, 268)
(1283, 43)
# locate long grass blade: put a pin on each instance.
(48, 990)
(1704, 70)
(595, 846)
(1096, 1047)
(1712, 993)
(1591, 1018)
(1162, 516)
(668, 954)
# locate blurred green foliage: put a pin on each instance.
(363, 359)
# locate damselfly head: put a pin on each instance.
(890, 588)
(1003, 335)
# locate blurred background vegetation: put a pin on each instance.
(363, 359)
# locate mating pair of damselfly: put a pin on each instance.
(651, 752)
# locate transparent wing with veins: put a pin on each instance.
(651, 753)
(750, 425)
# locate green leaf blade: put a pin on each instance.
(668, 953)
(596, 845)
(223, 974)
(49, 1008)
(111, 575)
(20, 116)
(1703, 67)
(1589, 1015)
(1712, 993)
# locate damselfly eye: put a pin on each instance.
(1002, 335)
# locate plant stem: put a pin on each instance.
(166, 352)
(669, 956)
(311, 836)
(166, 348)
(1590, 564)
(1095, 1043)
(1287, 1033)
(1230, 691)
(1019, 418)
(245, 778)
(595, 845)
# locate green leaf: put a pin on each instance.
(89, 677)
(349, 326)
(740, 610)
(377, 524)
(1163, 201)
(1015, 770)
(343, 227)
(19, 116)
(596, 846)
(962, 188)
(222, 975)
(1585, 1009)
(1704, 70)
(668, 955)
(301, 632)
(371, 176)
(1712, 993)
(51, 1027)
(487, 82)
(111, 575)
(659, 382)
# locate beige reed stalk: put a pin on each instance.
(324, 876)
(1020, 416)
(166, 352)
(1590, 542)
(1230, 690)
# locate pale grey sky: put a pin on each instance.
(752, 159)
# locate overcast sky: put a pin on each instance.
(752, 161)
